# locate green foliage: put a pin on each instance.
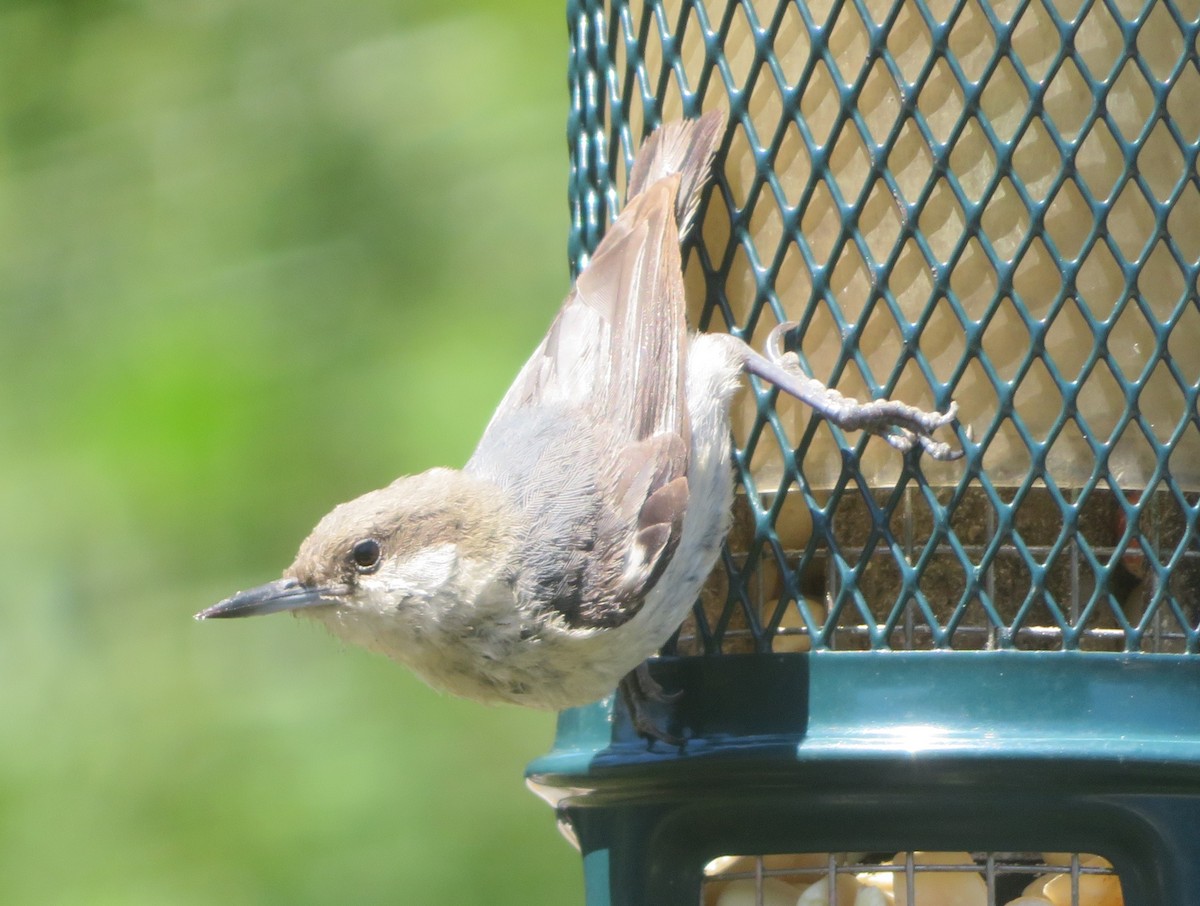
(256, 259)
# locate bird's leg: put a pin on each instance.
(901, 425)
(638, 690)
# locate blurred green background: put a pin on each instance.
(255, 259)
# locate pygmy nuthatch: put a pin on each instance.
(577, 537)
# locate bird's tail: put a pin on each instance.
(685, 147)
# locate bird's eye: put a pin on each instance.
(366, 555)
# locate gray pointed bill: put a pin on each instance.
(282, 594)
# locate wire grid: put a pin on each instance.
(1038, 265)
(837, 879)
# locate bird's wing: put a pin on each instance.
(592, 439)
(616, 346)
(627, 306)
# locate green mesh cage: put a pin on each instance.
(909, 673)
(991, 202)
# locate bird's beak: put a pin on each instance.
(283, 594)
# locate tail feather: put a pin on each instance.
(685, 147)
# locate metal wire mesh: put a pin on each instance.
(993, 201)
(853, 879)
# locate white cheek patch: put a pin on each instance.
(423, 574)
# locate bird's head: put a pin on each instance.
(406, 543)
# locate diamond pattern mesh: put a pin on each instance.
(983, 878)
(993, 202)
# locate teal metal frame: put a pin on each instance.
(1071, 748)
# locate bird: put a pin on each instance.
(575, 540)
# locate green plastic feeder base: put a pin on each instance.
(889, 751)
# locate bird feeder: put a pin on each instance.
(915, 682)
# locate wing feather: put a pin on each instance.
(592, 438)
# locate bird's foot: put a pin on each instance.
(639, 690)
(901, 425)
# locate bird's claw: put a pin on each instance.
(638, 690)
(903, 426)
